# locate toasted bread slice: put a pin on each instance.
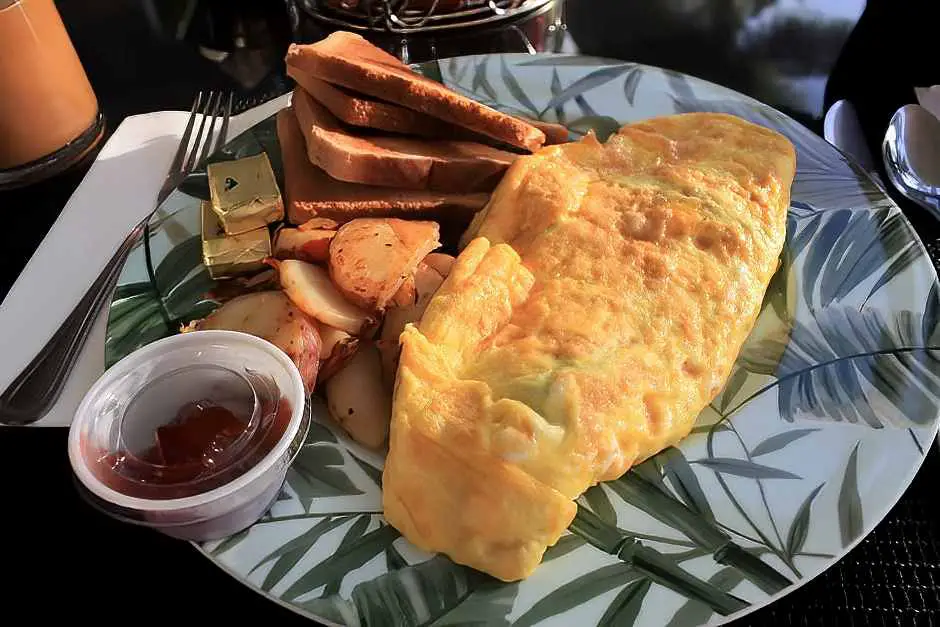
(309, 192)
(348, 60)
(403, 162)
(359, 110)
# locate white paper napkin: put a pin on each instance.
(118, 191)
(929, 98)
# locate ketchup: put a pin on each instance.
(205, 446)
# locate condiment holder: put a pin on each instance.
(191, 435)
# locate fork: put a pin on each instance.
(36, 389)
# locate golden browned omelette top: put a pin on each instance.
(600, 302)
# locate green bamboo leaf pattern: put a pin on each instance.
(129, 304)
(684, 481)
(320, 433)
(850, 503)
(651, 471)
(567, 61)
(184, 297)
(178, 263)
(763, 355)
(374, 473)
(456, 69)
(515, 89)
(354, 533)
(704, 533)
(828, 366)
(586, 107)
(556, 89)
(230, 542)
(931, 319)
(422, 594)
(693, 612)
(626, 605)
(480, 82)
(318, 472)
(902, 262)
(744, 468)
(663, 570)
(631, 82)
(128, 290)
(735, 382)
(488, 604)
(566, 544)
(799, 529)
(286, 556)
(580, 590)
(586, 83)
(778, 441)
(433, 71)
(602, 125)
(597, 500)
(848, 248)
(393, 559)
(343, 561)
(138, 327)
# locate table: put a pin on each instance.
(61, 558)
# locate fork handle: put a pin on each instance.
(36, 389)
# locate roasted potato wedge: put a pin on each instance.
(272, 316)
(427, 281)
(319, 223)
(309, 287)
(358, 400)
(312, 245)
(370, 258)
(406, 294)
(343, 351)
(329, 338)
(442, 262)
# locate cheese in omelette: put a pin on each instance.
(598, 305)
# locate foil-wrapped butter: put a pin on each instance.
(244, 194)
(230, 255)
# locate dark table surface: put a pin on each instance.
(60, 558)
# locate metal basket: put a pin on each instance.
(418, 16)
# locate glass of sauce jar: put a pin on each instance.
(191, 435)
(49, 116)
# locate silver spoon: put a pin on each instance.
(911, 153)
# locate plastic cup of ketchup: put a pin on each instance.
(191, 435)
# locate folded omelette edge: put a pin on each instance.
(599, 304)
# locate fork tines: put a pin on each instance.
(195, 147)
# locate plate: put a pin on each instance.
(819, 430)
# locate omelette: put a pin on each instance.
(597, 306)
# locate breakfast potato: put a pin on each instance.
(330, 337)
(357, 399)
(272, 316)
(309, 287)
(311, 245)
(342, 353)
(406, 294)
(427, 281)
(370, 258)
(441, 262)
(314, 224)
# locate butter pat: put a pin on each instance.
(230, 255)
(244, 194)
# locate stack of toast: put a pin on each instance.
(366, 136)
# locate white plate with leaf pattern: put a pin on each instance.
(819, 430)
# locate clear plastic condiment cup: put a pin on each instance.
(113, 436)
